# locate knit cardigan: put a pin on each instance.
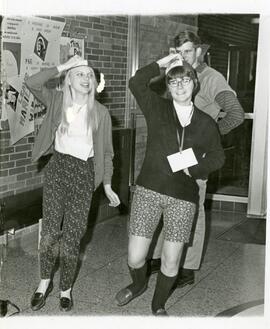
(201, 135)
(44, 142)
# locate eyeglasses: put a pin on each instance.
(183, 81)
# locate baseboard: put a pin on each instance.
(105, 212)
(19, 233)
(226, 206)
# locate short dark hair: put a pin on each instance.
(186, 36)
(186, 70)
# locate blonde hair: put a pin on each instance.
(92, 117)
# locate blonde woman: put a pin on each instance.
(77, 130)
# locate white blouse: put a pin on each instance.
(77, 141)
(184, 113)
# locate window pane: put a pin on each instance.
(233, 178)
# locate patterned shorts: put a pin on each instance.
(147, 208)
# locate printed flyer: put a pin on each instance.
(28, 45)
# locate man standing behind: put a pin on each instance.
(214, 95)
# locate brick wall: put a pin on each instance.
(157, 34)
(106, 47)
(229, 30)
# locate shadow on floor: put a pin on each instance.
(248, 231)
(241, 308)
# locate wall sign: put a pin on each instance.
(28, 45)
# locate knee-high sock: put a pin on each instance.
(162, 292)
(139, 278)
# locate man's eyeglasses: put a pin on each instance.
(183, 81)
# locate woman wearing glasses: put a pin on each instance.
(183, 145)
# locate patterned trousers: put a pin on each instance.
(67, 194)
(147, 208)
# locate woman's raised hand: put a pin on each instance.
(72, 62)
(165, 61)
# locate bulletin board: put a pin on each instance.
(28, 45)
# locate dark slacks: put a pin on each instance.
(68, 188)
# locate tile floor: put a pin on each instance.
(232, 273)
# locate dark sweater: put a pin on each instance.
(201, 134)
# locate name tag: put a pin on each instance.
(183, 160)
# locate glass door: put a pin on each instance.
(231, 183)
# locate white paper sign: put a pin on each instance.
(28, 44)
(185, 159)
(70, 47)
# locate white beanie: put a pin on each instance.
(176, 62)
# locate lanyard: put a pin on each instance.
(181, 143)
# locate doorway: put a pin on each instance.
(232, 180)
(233, 52)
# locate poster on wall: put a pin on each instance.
(70, 47)
(28, 45)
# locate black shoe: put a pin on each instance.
(125, 295)
(160, 312)
(185, 277)
(66, 304)
(153, 265)
(38, 299)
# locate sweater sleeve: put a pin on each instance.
(36, 84)
(214, 157)
(108, 149)
(234, 111)
(139, 86)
